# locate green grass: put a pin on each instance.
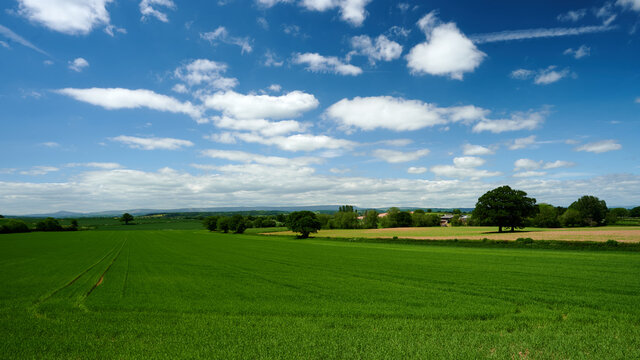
(195, 294)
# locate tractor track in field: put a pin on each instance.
(107, 269)
(126, 274)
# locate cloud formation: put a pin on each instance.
(152, 143)
(600, 146)
(221, 34)
(251, 106)
(66, 16)
(78, 64)
(394, 156)
(325, 64)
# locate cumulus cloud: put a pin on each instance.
(351, 11)
(149, 8)
(518, 121)
(558, 164)
(394, 156)
(262, 126)
(152, 143)
(522, 74)
(474, 150)
(527, 174)
(447, 51)
(205, 72)
(299, 142)
(600, 146)
(119, 98)
(78, 64)
(464, 167)
(223, 137)
(97, 165)
(528, 164)
(579, 53)
(382, 49)
(416, 170)
(241, 106)
(325, 64)
(398, 114)
(245, 157)
(271, 59)
(468, 161)
(66, 16)
(222, 34)
(545, 76)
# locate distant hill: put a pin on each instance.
(139, 212)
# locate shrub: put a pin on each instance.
(524, 241)
(611, 243)
(14, 226)
(48, 224)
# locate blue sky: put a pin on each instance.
(121, 104)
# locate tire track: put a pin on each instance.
(126, 274)
(107, 269)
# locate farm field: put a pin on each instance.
(618, 233)
(195, 294)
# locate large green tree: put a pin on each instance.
(592, 210)
(504, 207)
(370, 220)
(126, 218)
(303, 222)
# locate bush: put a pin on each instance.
(611, 243)
(48, 224)
(210, 223)
(524, 241)
(14, 226)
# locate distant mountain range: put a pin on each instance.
(139, 212)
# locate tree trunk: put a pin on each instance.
(513, 229)
(499, 229)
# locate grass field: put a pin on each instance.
(618, 233)
(194, 294)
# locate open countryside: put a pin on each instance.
(197, 294)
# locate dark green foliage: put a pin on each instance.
(370, 220)
(303, 222)
(571, 218)
(455, 220)
(403, 219)
(14, 226)
(635, 212)
(456, 212)
(1, 217)
(592, 210)
(547, 217)
(210, 223)
(126, 218)
(524, 241)
(420, 219)
(237, 224)
(429, 210)
(396, 218)
(74, 225)
(344, 220)
(504, 207)
(48, 224)
(223, 224)
(346, 208)
(619, 212)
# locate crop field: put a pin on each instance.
(194, 294)
(618, 233)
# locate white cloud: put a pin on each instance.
(118, 98)
(339, 171)
(8, 33)
(111, 30)
(245, 157)
(578, 53)
(223, 138)
(98, 165)
(395, 142)
(271, 59)
(550, 75)
(71, 17)
(522, 143)
(527, 164)
(148, 8)
(325, 64)
(416, 170)
(468, 161)
(351, 11)
(5, 45)
(526, 174)
(511, 35)
(398, 31)
(522, 74)
(558, 164)
(369, 113)
(518, 121)
(299, 142)
(180, 88)
(222, 34)
(600, 146)
(50, 144)
(452, 171)
(263, 23)
(78, 64)
(629, 4)
(242, 106)
(447, 51)
(203, 71)
(469, 149)
(152, 143)
(275, 87)
(572, 15)
(264, 127)
(39, 170)
(394, 156)
(382, 49)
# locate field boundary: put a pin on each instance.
(521, 243)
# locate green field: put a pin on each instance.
(195, 294)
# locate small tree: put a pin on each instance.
(210, 223)
(74, 225)
(303, 222)
(635, 212)
(547, 217)
(223, 224)
(504, 207)
(48, 224)
(370, 220)
(126, 218)
(237, 224)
